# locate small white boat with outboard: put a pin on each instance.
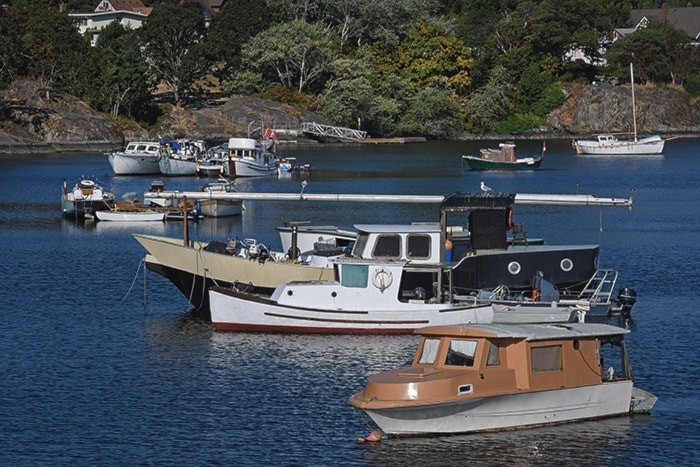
(220, 207)
(85, 198)
(492, 377)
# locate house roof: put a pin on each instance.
(135, 6)
(686, 19)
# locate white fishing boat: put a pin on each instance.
(249, 158)
(394, 282)
(181, 157)
(612, 144)
(490, 377)
(138, 158)
(85, 198)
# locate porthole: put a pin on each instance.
(566, 265)
(514, 268)
(290, 293)
(334, 294)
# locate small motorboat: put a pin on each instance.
(85, 198)
(502, 158)
(491, 377)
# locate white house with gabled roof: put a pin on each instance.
(129, 13)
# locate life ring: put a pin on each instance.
(382, 279)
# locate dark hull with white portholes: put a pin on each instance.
(567, 267)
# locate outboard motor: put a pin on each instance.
(626, 298)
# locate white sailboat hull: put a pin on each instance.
(643, 146)
(507, 411)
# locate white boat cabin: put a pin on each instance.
(417, 243)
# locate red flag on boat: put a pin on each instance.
(269, 134)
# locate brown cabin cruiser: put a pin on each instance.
(488, 377)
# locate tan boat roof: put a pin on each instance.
(530, 332)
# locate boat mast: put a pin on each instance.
(634, 106)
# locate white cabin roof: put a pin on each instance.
(431, 227)
(531, 332)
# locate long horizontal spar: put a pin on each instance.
(520, 198)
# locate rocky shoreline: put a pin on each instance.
(37, 121)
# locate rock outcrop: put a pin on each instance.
(608, 109)
(34, 121)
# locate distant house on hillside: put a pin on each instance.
(686, 19)
(130, 14)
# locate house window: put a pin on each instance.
(419, 246)
(429, 352)
(546, 359)
(461, 352)
(387, 246)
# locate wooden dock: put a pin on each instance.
(396, 140)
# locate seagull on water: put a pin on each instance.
(485, 187)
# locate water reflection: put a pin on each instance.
(589, 443)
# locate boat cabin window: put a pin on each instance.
(419, 246)
(493, 355)
(387, 246)
(360, 243)
(354, 275)
(545, 359)
(141, 147)
(461, 352)
(429, 351)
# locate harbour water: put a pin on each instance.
(102, 364)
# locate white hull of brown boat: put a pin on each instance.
(508, 411)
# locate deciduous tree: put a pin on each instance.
(171, 38)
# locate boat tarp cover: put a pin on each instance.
(469, 201)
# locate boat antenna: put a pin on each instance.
(634, 106)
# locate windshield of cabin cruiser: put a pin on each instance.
(429, 351)
(461, 352)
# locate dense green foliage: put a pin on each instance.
(415, 67)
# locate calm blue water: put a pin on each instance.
(99, 365)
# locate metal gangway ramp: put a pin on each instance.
(328, 132)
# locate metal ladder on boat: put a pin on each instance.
(599, 289)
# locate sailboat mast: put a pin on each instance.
(634, 105)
